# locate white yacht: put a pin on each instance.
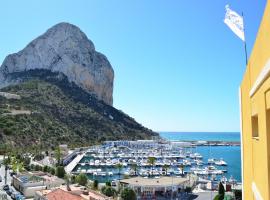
(221, 162)
(211, 161)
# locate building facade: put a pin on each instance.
(255, 116)
(29, 183)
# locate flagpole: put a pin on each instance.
(245, 44)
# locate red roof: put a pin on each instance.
(62, 195)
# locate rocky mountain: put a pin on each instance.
(58, 89)
(64, 48)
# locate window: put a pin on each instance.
(255, 126)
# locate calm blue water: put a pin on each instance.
(231, 154)
(197, 136)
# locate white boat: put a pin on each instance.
(127, 173)
(110, 173)
(186, 162)
(195, 169)
(221, 162)
(198, 156)
(199, 162)
(211, 161)
(232, 180)
(223, 179)
(177, 172)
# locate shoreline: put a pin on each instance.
(208, 143)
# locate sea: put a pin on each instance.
(230, 154)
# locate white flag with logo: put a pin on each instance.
(235, 22)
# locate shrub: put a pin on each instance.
(45, 168)
(128, 194)
(188, 189)
(108, 191)
(52, 171)
(37, 168)
(95, 184)
(108, 183)
(72, 179)
(221, 190)
(7, 131)
(32, 166)
(39, 157)
(60, 172)
(238, 194)
(219, 197)
(81, 179)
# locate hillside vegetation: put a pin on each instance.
(54, 111)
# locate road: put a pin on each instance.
(9, 178)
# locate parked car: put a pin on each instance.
(12, 173)
(6, 187)
(15, 195)
(20, 197)
(113, 183)
(10, 191)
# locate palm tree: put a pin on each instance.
(166, 167)
(119, 166)
(58, 155)
(152, 161)
(4, 149)
(181, 167)
(134, 167)
(67, 179)
(17, 166)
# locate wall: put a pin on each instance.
(256, 149)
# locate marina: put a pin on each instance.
(117, 160)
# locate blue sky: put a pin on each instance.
(177, 66)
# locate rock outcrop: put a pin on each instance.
(64, 48)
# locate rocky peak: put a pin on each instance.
(64, 48)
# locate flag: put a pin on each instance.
(235, 22)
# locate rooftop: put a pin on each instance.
(59, 194)
(155, 182)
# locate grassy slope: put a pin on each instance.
(62, 113)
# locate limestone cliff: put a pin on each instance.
(64, 48)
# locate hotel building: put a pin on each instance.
(255, 116)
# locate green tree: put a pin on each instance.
(45, 168)
(152, 161)
(221, 189)
(95, 184)
(135, 168)
(58, 155)
(81, 179)
(188, 189)
(60, 171)
(108, 183)
(119, 166)
(67, 179)
(181, 167)
(238, 194)
(17, 165)
(73, 179)
(52, 171)
(166, 167)
(221, 192)
(108, 191)
(128, 194)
